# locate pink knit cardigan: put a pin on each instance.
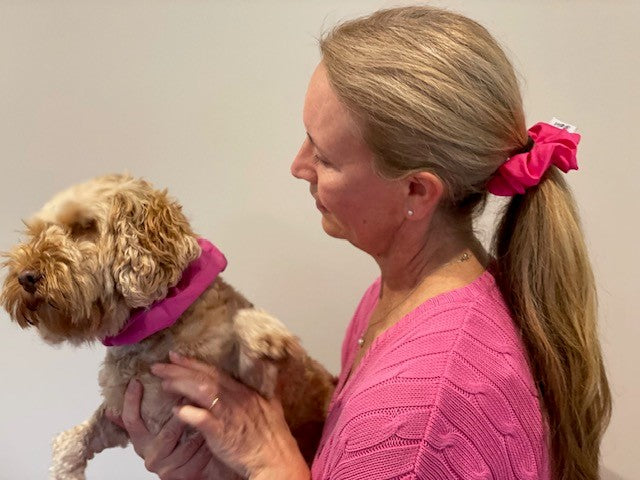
(446, 393)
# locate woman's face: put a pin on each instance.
(356, 204)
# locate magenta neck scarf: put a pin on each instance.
(196, 278)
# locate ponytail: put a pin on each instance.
(544, 273)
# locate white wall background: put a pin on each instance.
(205, 97)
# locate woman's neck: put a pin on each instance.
(432, 264)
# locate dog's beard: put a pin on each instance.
(74, 300)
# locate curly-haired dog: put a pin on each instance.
(115, 260)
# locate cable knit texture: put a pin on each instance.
(445, 393)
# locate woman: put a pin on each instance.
(455, 364)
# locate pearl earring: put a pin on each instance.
(410, 212)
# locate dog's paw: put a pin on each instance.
(263, 342)
(69, 456)
(262, 336)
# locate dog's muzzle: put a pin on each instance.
(29, 280)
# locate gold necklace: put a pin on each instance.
(465, 256)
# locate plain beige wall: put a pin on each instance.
(205, 97)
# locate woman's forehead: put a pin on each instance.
(325, 117)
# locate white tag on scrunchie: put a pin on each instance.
(563, 125)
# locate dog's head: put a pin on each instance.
(92, 254)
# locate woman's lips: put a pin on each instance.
(320, 207)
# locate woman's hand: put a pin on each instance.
(241, 428)
(191, 460)
(245, 432)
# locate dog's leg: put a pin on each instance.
(75, 447)
(263, 341)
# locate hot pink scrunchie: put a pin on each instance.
(552, 146)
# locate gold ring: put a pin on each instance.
(213, 403)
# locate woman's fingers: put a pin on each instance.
(199, 457)
(180, 459)
(239, 429)
(226, 381)
(162, 452)
(193, 449)
(192, 364)
(200, 419)
(131, 411)
(197, 381)
(162, 446)
(202, 394)
(216, 435)
(169, 370)
(196, 386)
(192, 369)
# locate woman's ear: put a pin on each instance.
(424, 192)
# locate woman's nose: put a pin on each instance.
(302, 166)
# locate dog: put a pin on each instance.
(105, 261)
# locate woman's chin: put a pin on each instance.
(330, 227)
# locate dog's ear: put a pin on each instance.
(152, 242)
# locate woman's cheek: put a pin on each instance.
(331, 193)
(324, 198)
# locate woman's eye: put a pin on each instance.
(318, 159)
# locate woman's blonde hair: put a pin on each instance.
(433, 91)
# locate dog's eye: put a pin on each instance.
(84, 230)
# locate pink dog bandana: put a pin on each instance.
(200, 273)
(552, 146)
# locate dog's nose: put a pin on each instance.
(29, 280)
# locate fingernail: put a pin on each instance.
(133, 384)
(156, 368)
(175, 355)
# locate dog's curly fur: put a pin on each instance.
(113, 244)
